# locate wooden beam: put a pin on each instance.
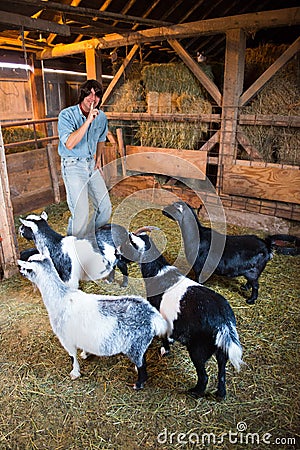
(252, 21)
(233, 85)
(208, 84)
(93, 64)
(216, 118)
(274, 120)
(270, 72)
(69, 49)
(34, 24)
(248, 147)
(127, 61)
(90, 12)
(213, 140)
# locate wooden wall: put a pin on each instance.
(30, 174)
(15, 100)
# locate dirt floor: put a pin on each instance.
(41, 408)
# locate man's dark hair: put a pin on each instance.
(86, 88)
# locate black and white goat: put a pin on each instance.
(199, 318)
(100, 324)
(76, 259)
(243, 255)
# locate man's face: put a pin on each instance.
(89, 99)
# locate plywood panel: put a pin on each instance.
(270, 183)
(166, 161)
(15, 100)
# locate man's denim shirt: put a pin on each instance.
(69, 120)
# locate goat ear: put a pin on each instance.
(27, 223)
(24, 264)
(44, 215)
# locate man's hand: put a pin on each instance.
(93, 113)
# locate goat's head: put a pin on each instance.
(178, 211)
(34, 267)
(139, 247)
(30, 225)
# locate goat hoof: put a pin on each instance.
(74, 376)
(250, 302)
(195, 393)
(220, 396)
(164, 352)
(138, 386)
(84, 355)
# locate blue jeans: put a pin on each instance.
(85, 185)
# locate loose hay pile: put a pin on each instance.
(42, 408)
(275, 144)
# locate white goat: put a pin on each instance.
(74, 259)
(100, 324)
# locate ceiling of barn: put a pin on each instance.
(34, 25)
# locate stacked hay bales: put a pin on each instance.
(172, 88)
(167, 89)
(279, 96)
(130, 98)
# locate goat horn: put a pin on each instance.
(148, 228)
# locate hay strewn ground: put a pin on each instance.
(41, 408)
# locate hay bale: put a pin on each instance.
(279, 95)
(130, 97)
(166, 89)
(175, 78)
(171, 134)
(152, 102)
(172, 88)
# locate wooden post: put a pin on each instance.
(53, 173)
(93, 65)
(233, 85)
(8, 246)
(38, 98)
(122, 150)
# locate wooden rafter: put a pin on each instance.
(90, 12)
(34, 24)
(127, 61)
(197, 71)
(265, 19)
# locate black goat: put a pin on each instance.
(199, 318)
(244, 255)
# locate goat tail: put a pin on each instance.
(284, 244)
(161, 326)
(228, 340)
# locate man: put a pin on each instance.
(82, 131)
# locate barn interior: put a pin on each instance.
(202, 101)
